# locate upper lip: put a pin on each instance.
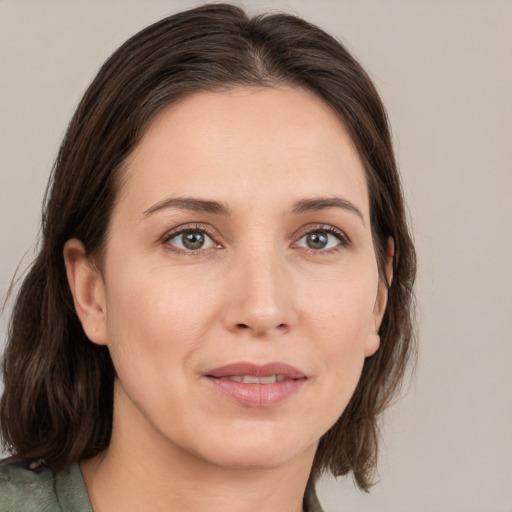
(256, 370)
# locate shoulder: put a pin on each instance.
(33, 487)
(25, 490)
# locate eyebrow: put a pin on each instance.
(191, 204)
(322, 203)
(216, 208)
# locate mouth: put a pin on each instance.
(253, 385)
(251, 379)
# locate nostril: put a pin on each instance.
(245, 327)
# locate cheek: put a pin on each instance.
(341, 312)
(339, 322)
(155, 321)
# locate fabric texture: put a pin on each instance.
(32, 487)
(38, 490)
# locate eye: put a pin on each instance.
(191, 240)
(323, 239)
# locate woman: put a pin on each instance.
(221, 306)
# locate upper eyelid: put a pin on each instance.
(319, 227)
(178, 230)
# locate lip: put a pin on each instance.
(256, 395)
(256, 370)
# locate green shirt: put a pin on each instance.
(25, 490)
(39, 490)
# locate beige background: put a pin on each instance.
(444, 71)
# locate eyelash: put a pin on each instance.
(187, 229)
(343, 239)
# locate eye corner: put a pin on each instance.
(193, 247)
(324, 245)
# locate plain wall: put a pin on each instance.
(444, 71)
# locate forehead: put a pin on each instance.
(243, 145)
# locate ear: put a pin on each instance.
(88, 290)
(379, 309)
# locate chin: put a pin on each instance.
(259, 452)
(257, 459)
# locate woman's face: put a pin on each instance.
(239, 293)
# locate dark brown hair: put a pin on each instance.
(57, 403)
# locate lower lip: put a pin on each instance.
(257, 395)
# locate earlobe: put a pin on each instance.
(379, 309)
(372, 344)
(88, 291)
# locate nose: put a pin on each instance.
(261, 295)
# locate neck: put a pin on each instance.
(142, 470)
(132, 485)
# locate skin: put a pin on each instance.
(256, 291)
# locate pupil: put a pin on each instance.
(193, 240)
(317, 240)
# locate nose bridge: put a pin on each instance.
(260, 298)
